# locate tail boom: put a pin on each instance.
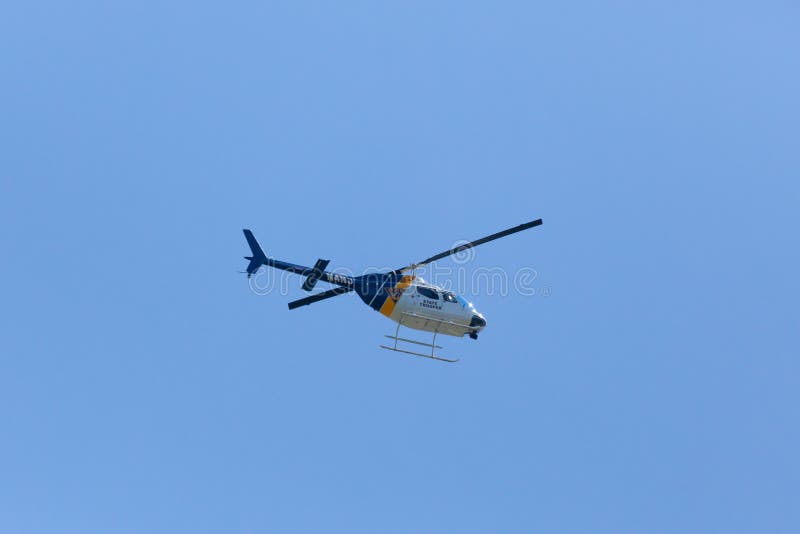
(315, 273)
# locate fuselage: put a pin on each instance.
(414, 303)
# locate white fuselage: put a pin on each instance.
(425, 307)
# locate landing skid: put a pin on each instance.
(432, 355)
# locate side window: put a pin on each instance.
(427, 292)
(448, 297)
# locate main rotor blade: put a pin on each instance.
(319, 296)
(471, 244)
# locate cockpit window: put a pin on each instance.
(448, 297)
(427, 293)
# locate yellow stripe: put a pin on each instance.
(389, 304)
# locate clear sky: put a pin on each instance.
(651, 385)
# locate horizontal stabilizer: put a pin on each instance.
(316, 272)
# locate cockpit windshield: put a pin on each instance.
(464, 302)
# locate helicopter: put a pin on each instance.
(404, 298)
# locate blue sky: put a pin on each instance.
(145, 388)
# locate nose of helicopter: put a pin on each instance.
(478, 321)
